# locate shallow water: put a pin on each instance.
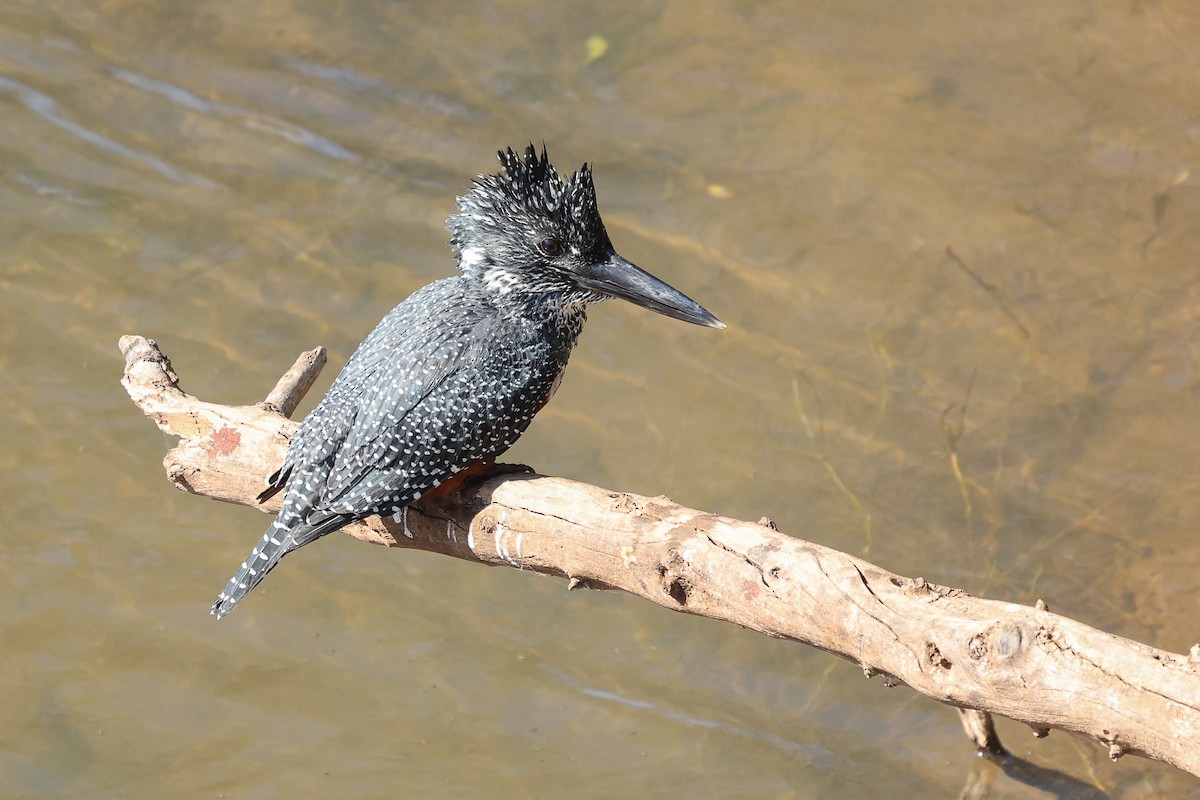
(242, 183)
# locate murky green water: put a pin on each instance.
(244, 181)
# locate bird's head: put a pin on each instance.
(527, 231)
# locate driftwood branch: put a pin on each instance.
(982, 656)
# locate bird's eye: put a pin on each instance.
(550, 246)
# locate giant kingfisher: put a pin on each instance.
(452, 376)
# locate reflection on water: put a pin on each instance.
(956, 250)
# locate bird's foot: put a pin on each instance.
(496, 470)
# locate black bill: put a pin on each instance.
(626, 280)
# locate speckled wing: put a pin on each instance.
(443, 398)
(320, 462)
(407, 329)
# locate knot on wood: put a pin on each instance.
(178, 475)
(623, 503)
(934, 657)
(999, 642)
(911, 586)
(675, 585)
(678, 589)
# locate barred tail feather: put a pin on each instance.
(285, 535)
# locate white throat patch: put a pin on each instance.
(471, 259)
(495, 278)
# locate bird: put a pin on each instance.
(453, 375)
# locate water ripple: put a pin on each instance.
(49, 109)
(422, 101)
(810, 751)
(251, 119)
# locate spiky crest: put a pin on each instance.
(504, 217)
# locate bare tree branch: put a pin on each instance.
(980, 655)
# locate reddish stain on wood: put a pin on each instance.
(223, 442)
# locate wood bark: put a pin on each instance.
(982, 656)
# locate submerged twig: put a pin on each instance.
(990, 289)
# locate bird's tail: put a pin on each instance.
(286, 534)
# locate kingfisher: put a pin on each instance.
(453, 376)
